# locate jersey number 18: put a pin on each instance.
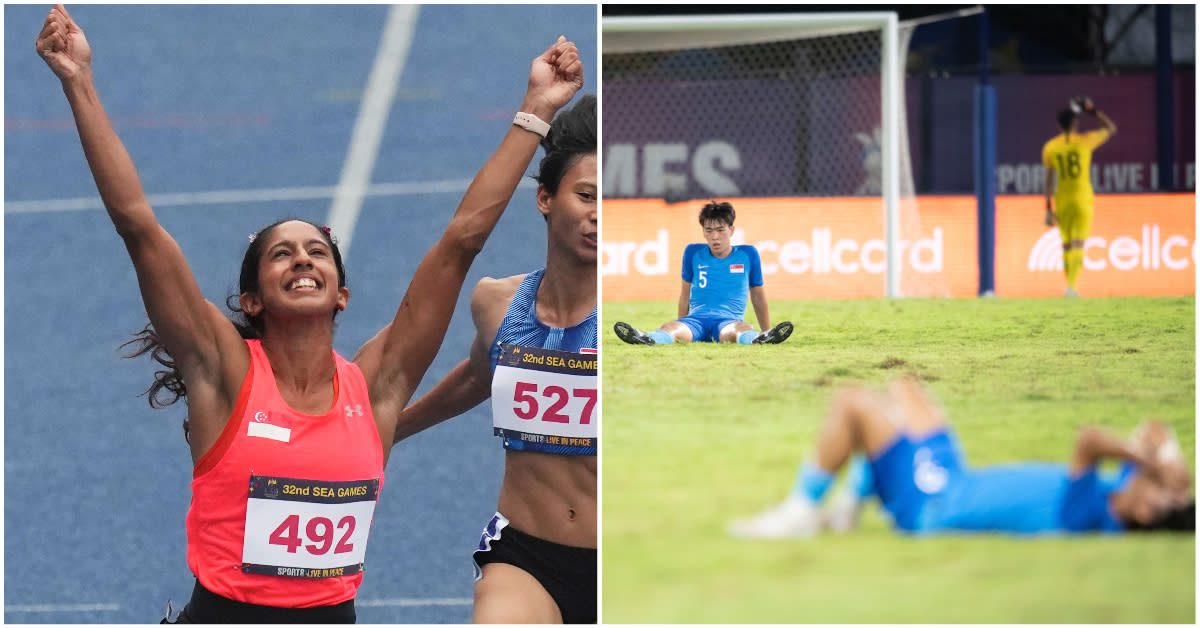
(1070, 169)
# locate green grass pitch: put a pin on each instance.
(697, 435)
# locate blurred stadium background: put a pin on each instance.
(787, 126)
(799, 119)
(236, 116)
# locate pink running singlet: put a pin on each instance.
(282, 503)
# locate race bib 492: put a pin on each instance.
(307, 528)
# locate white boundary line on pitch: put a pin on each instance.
(371, 121)
(264, 195)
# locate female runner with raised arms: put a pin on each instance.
(288, 439)
(534, 354)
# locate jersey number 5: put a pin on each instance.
(702, 280)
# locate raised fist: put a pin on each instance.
(556, 74)
(62, 45)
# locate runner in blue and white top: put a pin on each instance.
(535, 356)
(718, 276)
(569, 363)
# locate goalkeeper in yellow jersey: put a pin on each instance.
(1068, 160)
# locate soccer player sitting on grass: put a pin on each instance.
(926, 486)
(717, 277)
(1067, 158)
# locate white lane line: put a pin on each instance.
(386, 602)
(246, 196)
(433, 601)
(372, 118)
(54, 608)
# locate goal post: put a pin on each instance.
(789, 58)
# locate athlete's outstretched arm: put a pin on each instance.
(457, 393)
(395, 360)
(758, 298)
(195, 332)
(468, 384)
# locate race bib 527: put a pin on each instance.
(546, 400)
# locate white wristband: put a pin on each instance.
(530, 122)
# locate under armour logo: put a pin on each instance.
(356, 410)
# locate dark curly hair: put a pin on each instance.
(168, 386)
(572, 136)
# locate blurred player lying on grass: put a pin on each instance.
(717, 277)
(927, 487)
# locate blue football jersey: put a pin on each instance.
(1023, 498)
(720, 287)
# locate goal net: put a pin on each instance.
(783, 105)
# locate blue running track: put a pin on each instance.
(213, 102)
